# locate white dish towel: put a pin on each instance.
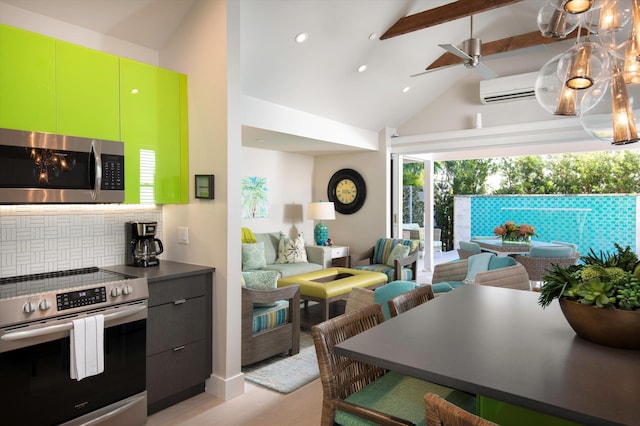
(87, 347)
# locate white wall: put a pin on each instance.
(267, 115)
(300, 179)
(360, 230)
(289, 182)
(207, 49)
(20, 18)
(456, 109)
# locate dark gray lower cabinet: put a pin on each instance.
(179, 346)
(178, 339)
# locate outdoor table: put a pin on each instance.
(499, 248)
(498, 343)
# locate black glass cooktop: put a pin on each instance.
(55, 281)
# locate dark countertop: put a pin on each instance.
(165, 270)
(500, 343)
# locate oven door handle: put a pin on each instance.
(25, 334)
(108, 416)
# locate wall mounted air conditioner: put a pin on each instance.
(511, 88)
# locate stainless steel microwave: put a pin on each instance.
(40, 167)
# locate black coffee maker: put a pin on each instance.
(142, 246)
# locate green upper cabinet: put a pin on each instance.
(48, 85)
(27, 80)
(153, 108)
(87, 92)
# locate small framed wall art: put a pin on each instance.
(204, 186)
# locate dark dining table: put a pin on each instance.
(499, 344)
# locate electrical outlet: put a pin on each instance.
(183, 235)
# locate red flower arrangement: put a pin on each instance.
(517, 233)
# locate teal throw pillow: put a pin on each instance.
(442, 287)
(498, 262)
(398, 252)
(253, 256)
(477, 263)
(469, 246)
(564, 251)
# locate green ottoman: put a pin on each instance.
(332, 284)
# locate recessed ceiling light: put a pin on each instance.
(362, 68)
(373, 36)
(406, 89)
(301, 37)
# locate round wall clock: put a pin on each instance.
(347, 190)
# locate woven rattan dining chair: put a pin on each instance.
(537, 267)
(368, 388)
(441, 412)
(410, 299)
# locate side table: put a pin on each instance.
(340, 256)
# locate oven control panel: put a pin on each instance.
(79, 298)
(42, 296)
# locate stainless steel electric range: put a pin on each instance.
(37, 313)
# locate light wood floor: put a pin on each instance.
(259, 405)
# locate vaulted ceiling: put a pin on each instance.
(320, 76)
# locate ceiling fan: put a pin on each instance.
(470, 54)
(523, 43)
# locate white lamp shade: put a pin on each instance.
(321, 211)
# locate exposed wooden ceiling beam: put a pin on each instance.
(442, 14)
(508, 44)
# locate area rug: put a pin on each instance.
(283, 373)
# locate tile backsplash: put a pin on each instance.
(46, 238)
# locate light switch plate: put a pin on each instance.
(183, 235)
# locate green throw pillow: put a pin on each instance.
(398, 252)
(291, 251)
(253, 256)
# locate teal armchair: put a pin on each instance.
(382, 258)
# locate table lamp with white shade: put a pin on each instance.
(321, 211)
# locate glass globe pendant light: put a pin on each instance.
(617, 25)
(553, 94)
(610, 110)
(576, 6)
(556, 23)
(583, 65)
(632, 63)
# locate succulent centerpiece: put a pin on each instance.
(600, 297)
